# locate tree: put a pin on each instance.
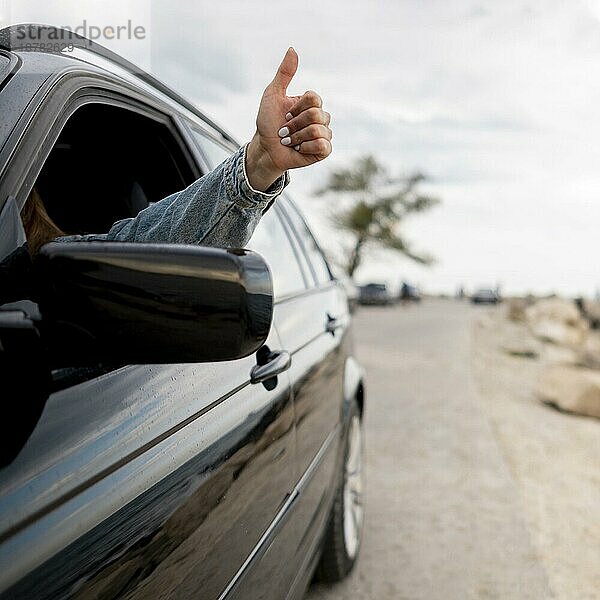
(379, 203)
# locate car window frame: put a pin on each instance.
(43, 129)
(301, 255)
(302, 247)
(290, 295)
(196, 127)
(125, 103)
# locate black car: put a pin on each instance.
(409, 293)
(178, 421)
(485, 296)
(374, 294)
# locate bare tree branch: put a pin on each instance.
(376, 211)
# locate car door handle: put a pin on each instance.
(333, 324)
(273, 364)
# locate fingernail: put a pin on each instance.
(283, 132)
(286, 141)
(289, 116)
(297, 147)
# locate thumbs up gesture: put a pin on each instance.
(291, 131)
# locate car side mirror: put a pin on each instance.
(151, 303)
(116, 303)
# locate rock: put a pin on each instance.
(572, 389)
(558, 333)
(557, 321)
(589, 356)
(560, 355)
(520, 344)
(514, 339)
(556, 310)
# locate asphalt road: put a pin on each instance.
(444, 518)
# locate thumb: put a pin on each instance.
(287, 69)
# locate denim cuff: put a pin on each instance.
(239, 188)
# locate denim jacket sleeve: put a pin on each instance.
(219, 209)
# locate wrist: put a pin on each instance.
(260, 170)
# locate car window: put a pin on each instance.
(315, 256)
(271, 241)
(214, 152)
(134, 160)
(301, 255)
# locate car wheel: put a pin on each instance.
(344, 531)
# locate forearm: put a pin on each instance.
(219, 209)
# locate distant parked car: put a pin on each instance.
(374, 293)
(409, 293)
(485, 296)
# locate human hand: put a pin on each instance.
(291, 131)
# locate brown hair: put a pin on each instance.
(39, 227)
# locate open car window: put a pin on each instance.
(109, 163)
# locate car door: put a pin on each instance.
(148, 480)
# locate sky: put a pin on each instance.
(498, 102)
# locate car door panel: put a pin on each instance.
(317, 381)
(148, 478)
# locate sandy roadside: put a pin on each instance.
(553, 457)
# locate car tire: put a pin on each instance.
(343, 536)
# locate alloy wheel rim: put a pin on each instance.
(353, 489)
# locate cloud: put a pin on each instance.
(190, 53)
(497, 101)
